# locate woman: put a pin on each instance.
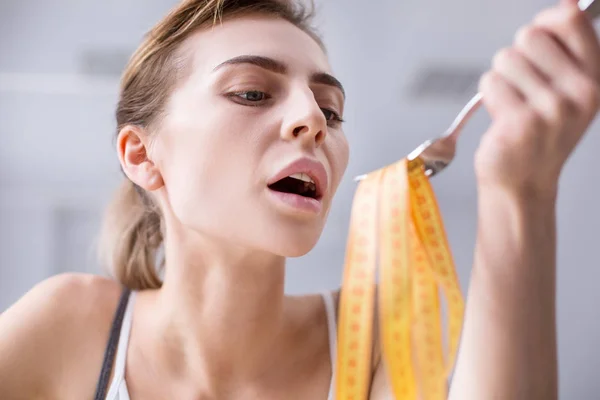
(231, 141)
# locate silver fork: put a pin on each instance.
(438, 153)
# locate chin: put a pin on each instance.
(257, 228)
(294, 251)
(291, 244)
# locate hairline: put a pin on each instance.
(182, 61)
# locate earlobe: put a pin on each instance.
(155, 181)
(132, 148)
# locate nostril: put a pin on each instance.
(320, 136)
(305, 130)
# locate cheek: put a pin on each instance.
(196, 148)
(339, 154)
(206, 166)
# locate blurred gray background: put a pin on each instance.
(408, 66)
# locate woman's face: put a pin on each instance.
(258, 106)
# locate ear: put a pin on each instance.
(132, 147)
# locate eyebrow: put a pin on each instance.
(278, 67)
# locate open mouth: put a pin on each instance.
(299, 184)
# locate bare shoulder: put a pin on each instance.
(45, 335)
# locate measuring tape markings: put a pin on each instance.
(357, 298)
(429, 223)
(398, 203)
(395, 285)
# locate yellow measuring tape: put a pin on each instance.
(396, 225)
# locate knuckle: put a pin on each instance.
(560, 17)
(503, 57)
(558, 108)
(527, 36)
(588, 94)
(486, 80)
(531, 120)
(572, 17)
(546, 14)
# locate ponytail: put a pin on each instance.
(131, 237)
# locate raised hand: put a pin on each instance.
(542, 93)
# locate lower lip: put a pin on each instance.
(297, 202)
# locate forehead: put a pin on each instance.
(257, 35)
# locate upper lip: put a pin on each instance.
(314, 169)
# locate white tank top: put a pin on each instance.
(118, 387)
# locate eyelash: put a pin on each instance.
(335, 117)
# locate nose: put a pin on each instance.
(304, 120)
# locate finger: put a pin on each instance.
(519, 72)
(499, 96)
(544, 52)
(551, 59)
(575, 31)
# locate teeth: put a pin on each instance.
(303, 177)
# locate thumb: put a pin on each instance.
(571, 2)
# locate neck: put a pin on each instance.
(221, 309)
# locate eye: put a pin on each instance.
(331, 116)
(252, 96)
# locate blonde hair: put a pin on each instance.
(132, 232)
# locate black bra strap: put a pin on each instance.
(111, 347)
